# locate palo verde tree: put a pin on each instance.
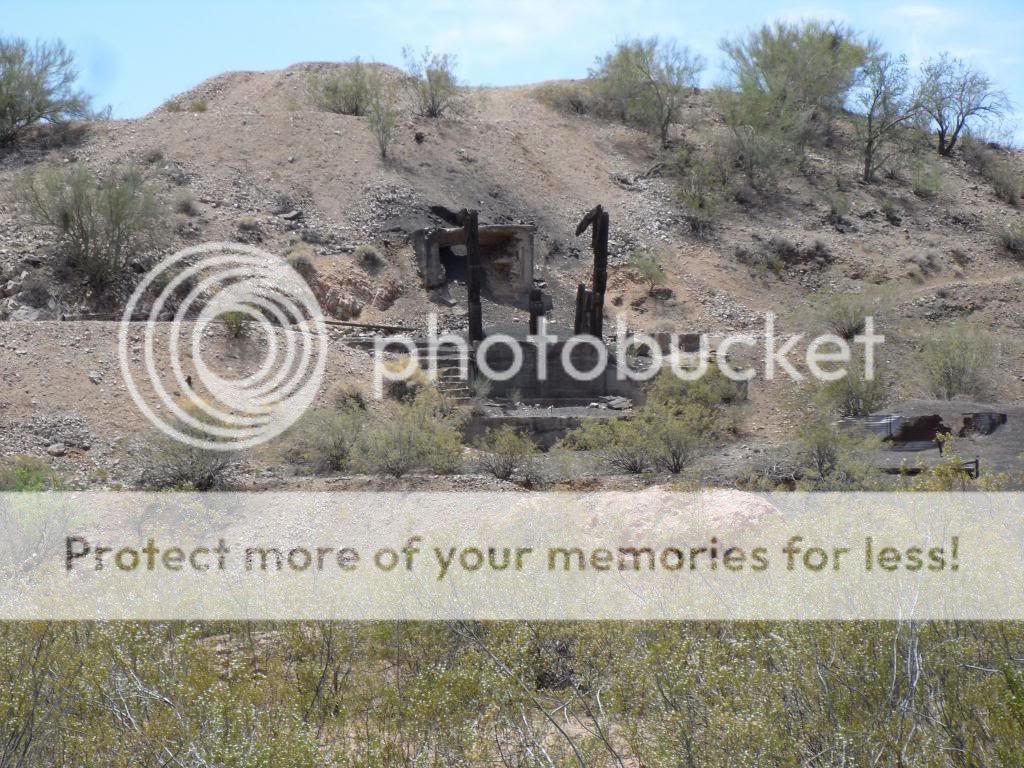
(888, 103)
(646, 81)
(792, 79)
(37, 84)
(953, 94)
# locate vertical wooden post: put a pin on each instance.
(476, 323)
(581, 323)
(600, 246)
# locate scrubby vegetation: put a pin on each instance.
(504, 452)
(598, 694)
(419, 434)
(348, 92)
(958, 361)
(103, 222)
(434, 84)
(27, 474)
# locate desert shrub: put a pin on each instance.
(28, 474)
(574, 97)
(958, 361)
(838, 208)
(659, 436)
(172, 464)
(835, 460)
(649, 267)
(645, 82)
(197, 105)
(711, 390)
(103, 222)
(236, 323)
(37, 84)
(369, 257)
(504, 452)
(346, 92)
(778, 254)
(323, 440)
(185, 203)
(409, 436)
(854, 394)
(432, 77)
(926, 179)
(701, 207)
(348, 394)
(891, 211)
(406, 388)
(153, 156)
(247, 224)
(481, 387)
(844, 314)
(173, 106)
(382, 114)
(620, 444)
(302, 264)
(35, 291)
(1011, 238)
(1000, 173)
(760, 156)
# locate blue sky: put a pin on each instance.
(135, 55)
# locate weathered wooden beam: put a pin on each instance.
(581, 322)
(600, 247)
(471, 225)
(587, 220)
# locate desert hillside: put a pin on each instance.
(246, 157)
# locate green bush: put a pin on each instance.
(573, 97)
(103, 222)
(185, 203)
(382, 114)
(958, 361)
(172, 464)
(410, 436)
(197, 105)
(1001, 173)
(667, 433)
(1011, 238)
(835, 460)
(504, 452)
(926, 179)
(348, 92)
(27, 474)
(432, 76)
(236, 323)
(649, 268)
(645, 81)
(792, 79)
(324, 439)
(844, 314)
(855, 395)
(37, 84)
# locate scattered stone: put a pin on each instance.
(292, 215)
(95, 377)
